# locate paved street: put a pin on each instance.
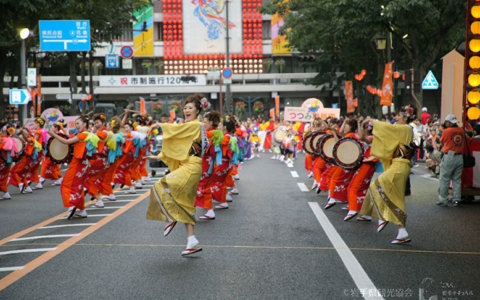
(275, 242)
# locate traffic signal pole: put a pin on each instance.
(228, 93)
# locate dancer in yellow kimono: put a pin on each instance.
(385, 200)
(172, 199)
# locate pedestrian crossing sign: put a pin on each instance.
(430, 82)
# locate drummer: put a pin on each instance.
(51, 170)
(74, 179)
(8, 149)
(40, 136)
(340, 176)
(20, 172)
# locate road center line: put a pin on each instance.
(29, 267)
(294, 174)
(67, 225)
(358, 274)
(302, 186)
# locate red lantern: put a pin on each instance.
(396, 75)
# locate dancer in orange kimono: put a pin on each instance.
(123, 173)
(104, 182)
(49, 169)
(219, 178)
(210, 161)
(8, 149)
(99, 161)
(20, 172)
(341, 177)
(41, 137)
(358, 187)
(74, 179)
(268, 137)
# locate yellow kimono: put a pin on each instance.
(386, 195)
(172, 198)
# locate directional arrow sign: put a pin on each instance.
(64, 35)
(19, 96)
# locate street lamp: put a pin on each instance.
(24, 34)
(381, 42)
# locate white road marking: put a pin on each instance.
(290, 165)
(89, 216)
(9, 269)
(45, 237)
(124, 195)
(124, 200)
(106, 207)
(27, 251)
(302, 186)
(294, 174)
(67, 225)
(358, 274)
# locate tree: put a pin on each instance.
(105, 17)
(341, 33)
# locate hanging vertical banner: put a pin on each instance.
(277, 106)
(205, 26)
(280, 44)
(349, 96)
(143, 111)
(143, 32)
(387, 87)
(272, 113)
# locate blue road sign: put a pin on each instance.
(227, 73)
(430, 82)
(126, 52)
(112, 61)
(19, 96)
(64, 35)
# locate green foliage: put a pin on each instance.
(341, 33)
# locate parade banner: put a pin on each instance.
(349, 96)
(303, 114)
(387, 87)
(205, 26)
(280, 45)
(277, 106)
(151, 80)
(143, 32)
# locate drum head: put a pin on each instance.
(279, 135)
(348, 153)
(59, 152)
(314, 142)
(325, 146)
(20, 148)
(20, 144)
(307, 145)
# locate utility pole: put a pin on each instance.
(228, 92)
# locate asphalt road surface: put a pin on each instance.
(274, 242)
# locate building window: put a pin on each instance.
(160, 31)
(267, 30)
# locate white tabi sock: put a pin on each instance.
(192, 242)
(402, 233)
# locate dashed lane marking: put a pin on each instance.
(302, 186)
(290, 165)
(294, 174)
(106, 207)
(51, 236)
(10, 269)
(32, 265)
(89, 216)
(67, 225)
(358, 274)
(26, 251)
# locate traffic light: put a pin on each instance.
(471, 95)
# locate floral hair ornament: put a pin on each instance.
(114, 123)
(40, 121)
(11, 130)
(204, 103)
(103, 117)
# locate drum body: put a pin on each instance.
(314, 141)
(325, 147)
(278, 136)
(348, 153)
(307, 145)
(59, 152)
(20, 148)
